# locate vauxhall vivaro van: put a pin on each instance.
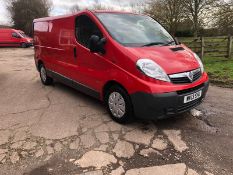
(129, 61)
(16, 38)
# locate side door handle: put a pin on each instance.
(75, 52)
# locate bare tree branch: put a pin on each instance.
(23, 12)
(168, 12)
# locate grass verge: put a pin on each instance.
(220, 71)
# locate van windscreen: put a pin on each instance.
(23, 35)
(135, 30)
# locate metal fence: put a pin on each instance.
(210, 46)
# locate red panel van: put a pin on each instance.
(16, 38)
(129, 61)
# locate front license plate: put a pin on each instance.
(192, 97)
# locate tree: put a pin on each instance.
(4, 26)
(196, 10)
(99, 6)
(167, 12)
(224, 17)
(138, 6)
(23, 12)
(75, 8)
(96, 6)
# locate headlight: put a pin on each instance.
(152, 69)
(199, 62)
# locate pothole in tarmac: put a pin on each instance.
(202, 121)
(43, 170)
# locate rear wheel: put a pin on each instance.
(23, 45)
(45, 79)
(119, 104)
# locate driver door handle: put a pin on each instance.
(75, 52)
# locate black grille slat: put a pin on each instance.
(184, 107)
(181, 92)
(180, 80)
(188, 105)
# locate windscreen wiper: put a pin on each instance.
(153, 44)
(167, 44)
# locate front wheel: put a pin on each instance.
(23, 45)
(119, 105)
(45, 79)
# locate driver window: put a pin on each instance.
(15, 35)
(84, 29)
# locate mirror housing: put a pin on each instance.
(177, 41)
(96, 44)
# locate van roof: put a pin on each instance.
(89, 11)
(111, 11)
(9, 29)
(51, 18)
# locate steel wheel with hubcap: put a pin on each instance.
(116, 104)
(119, 104)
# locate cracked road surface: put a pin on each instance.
(57, 130)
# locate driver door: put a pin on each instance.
(15, 39)
(89, 67)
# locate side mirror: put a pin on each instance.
(177, 41)
(96, 44)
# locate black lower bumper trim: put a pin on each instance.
(158, 106)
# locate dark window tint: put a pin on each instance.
(85, 28)
(15, 35)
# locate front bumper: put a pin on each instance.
(29, 44)
(158, 106)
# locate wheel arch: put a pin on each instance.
(23, 43)
(39, 63)
(109, 84)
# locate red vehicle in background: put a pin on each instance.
(129, 61)
(16, 38)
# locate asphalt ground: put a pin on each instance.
(58, 130)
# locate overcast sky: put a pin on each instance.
(61, 7)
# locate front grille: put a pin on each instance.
(186, 77)
(185, 91)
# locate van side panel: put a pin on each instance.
(54, 43)
(62, 40)
(41, 38)
(6, 38)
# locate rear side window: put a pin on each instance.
(41, 26)
(84, 29)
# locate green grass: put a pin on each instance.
(220, 71)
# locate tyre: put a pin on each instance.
(23, 45)
(119, 105)
(45, 79)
